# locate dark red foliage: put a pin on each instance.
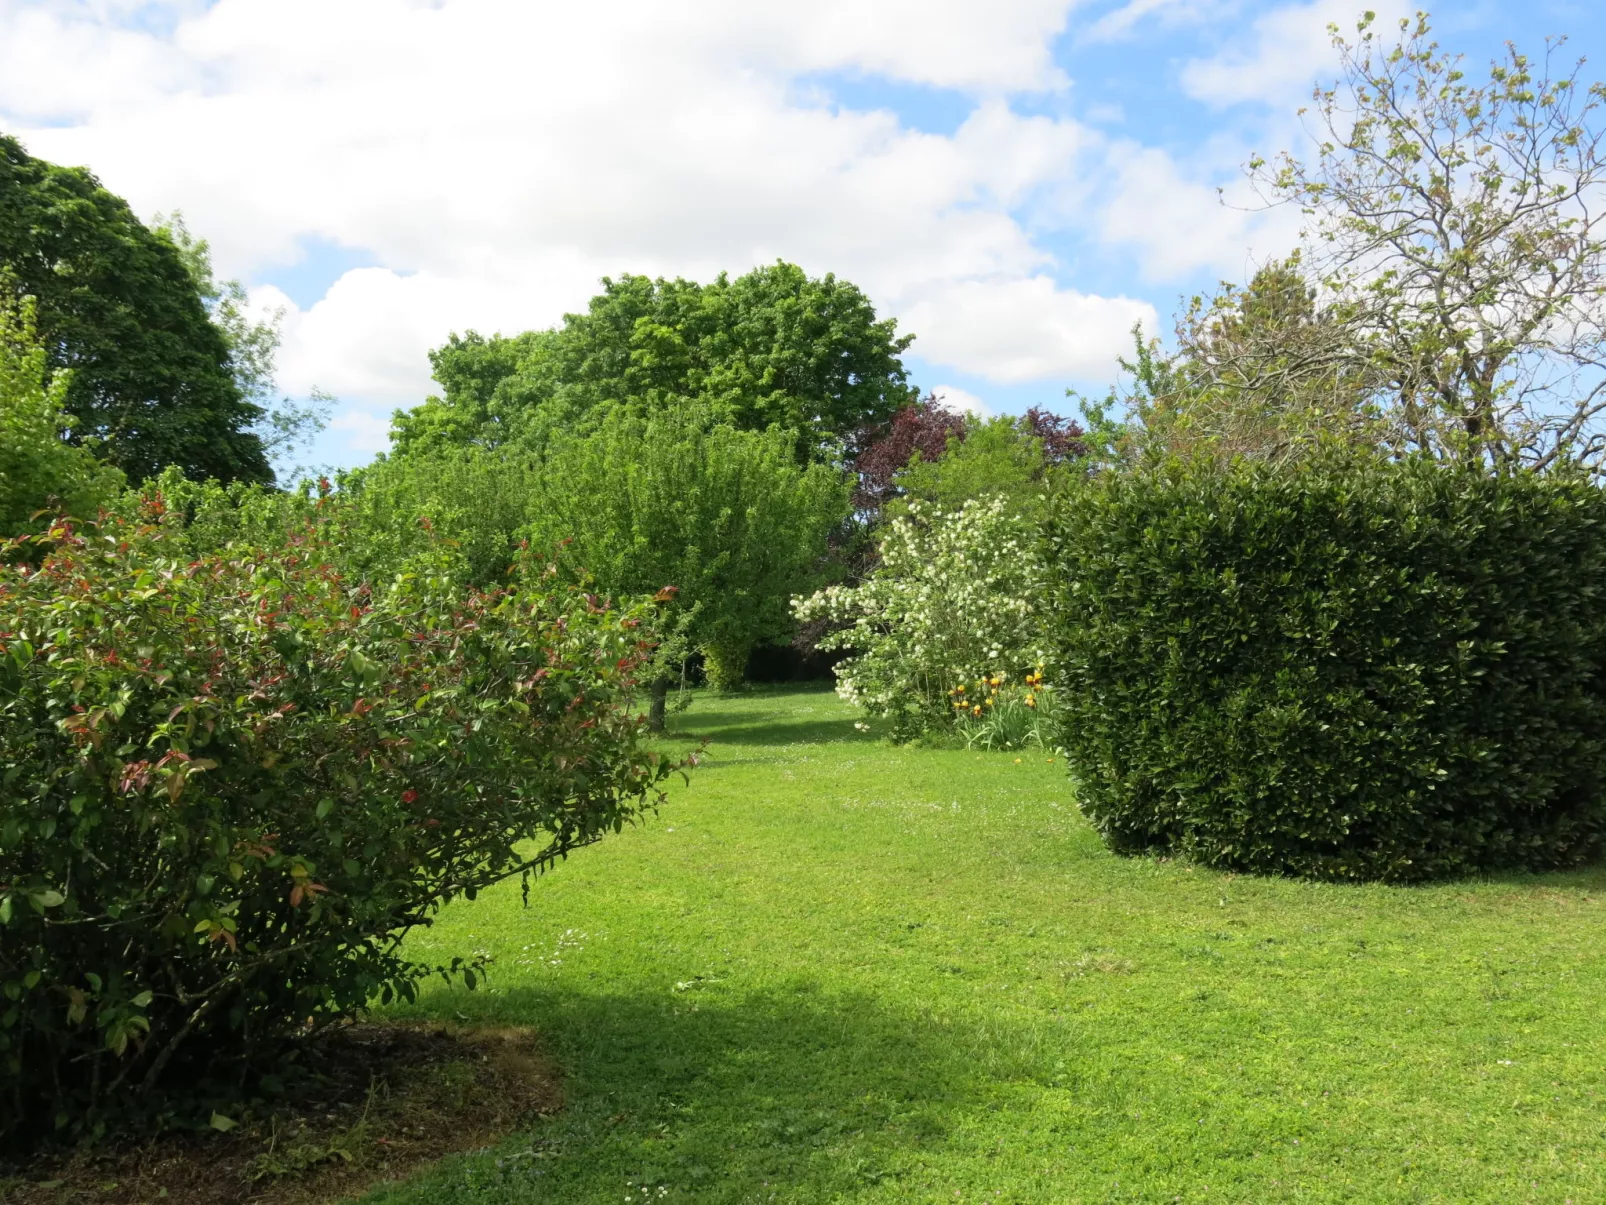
(1062, 437)
(923, 427)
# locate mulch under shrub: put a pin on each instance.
(380, 1102)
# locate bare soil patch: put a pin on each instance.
(389, 1099)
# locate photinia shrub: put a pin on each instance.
(229, 786)
(1341, 670)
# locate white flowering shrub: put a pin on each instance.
(951, 601)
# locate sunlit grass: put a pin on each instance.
(834, 970)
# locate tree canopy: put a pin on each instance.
(1016, 459)
(774, 347)
(1265, 372)
(640, 501)
(724, 515)
(152, 380)
(1454, 232)
(1448, 297)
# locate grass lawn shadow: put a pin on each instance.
(700, 1094)
(748, 720)
(720, 727)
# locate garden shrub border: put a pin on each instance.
(1345, 670)
(233, 783)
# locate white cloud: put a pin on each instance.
(1175, 220)
(365, 431)
(1120, 23)
(1027, 329)
(497, 156)
(1289, 48)
(960, 401)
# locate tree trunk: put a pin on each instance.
(655, 712)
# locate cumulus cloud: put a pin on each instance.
(495, 157)
(1026, 329)
(364, 430)
(960, 401)
(1177, 221)
(1287, 49)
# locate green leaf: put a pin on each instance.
(222, 1124)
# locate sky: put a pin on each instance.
(1017, 182)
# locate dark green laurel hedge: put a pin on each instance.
(1342, 671)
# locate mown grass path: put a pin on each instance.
(833, 970)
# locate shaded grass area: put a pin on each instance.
(834, 970)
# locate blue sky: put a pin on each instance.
(1016, 181)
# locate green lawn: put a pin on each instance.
(834, 970)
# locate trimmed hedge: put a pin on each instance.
(1341, 671)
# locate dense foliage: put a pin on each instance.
(725, 516)
(152, 377)
(952, 599)
(233, 782)
(39, 471)
(922, 431)
(1021, 459)
(639, 502)
(1347, 671)
(772, 348)
(465, 503)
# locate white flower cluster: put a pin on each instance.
(952, 599)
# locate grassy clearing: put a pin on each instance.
(833, 970)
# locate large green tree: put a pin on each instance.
(152, 379)
(774, 347)
(645, 499)
(725, 516)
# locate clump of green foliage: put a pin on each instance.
(153, 380)
(39, 470)
(468, 500)
(233, 782)
(728, 517)
(771, 348)
(1341, 669)
(953, 597)
(1020, 459)
(644, 499)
